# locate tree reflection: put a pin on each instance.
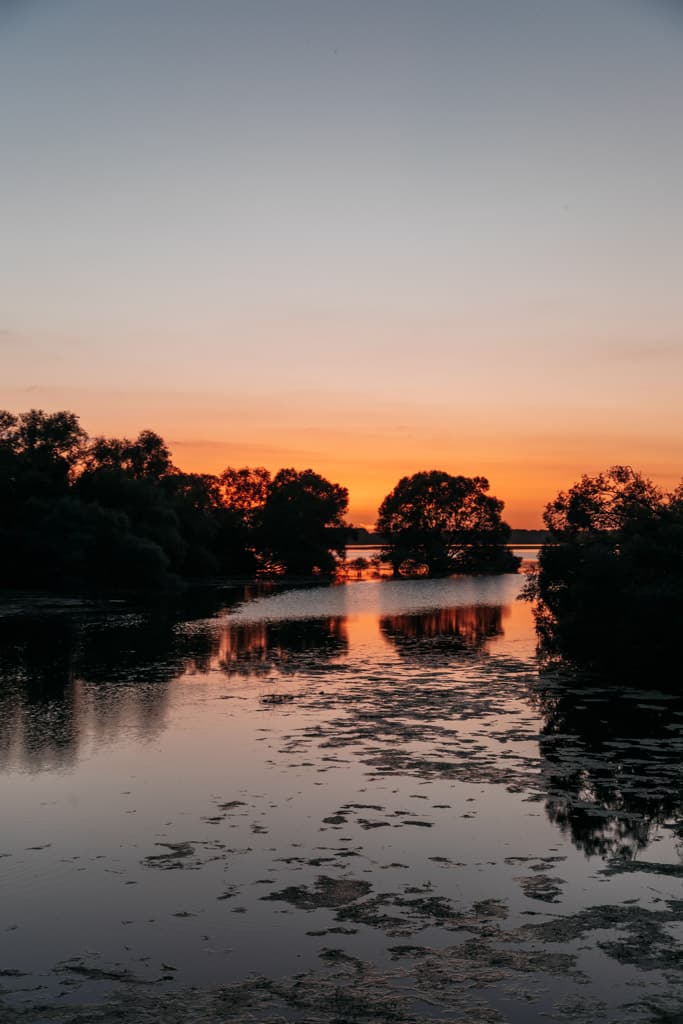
(73, 677)
(443, 633)
(37, 722)
(287, 645)
(612, 764)
(68, 676)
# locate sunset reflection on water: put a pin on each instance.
(74, 681)
(145, 764)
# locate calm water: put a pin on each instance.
(342, 803)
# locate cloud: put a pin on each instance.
(645, 352)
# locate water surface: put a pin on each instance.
(351, 802)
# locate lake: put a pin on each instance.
(354, 802)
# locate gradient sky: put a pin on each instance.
(370, 237)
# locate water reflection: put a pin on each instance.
(443, 633)
(258, 647)
(612, 764)
(37, 695)
(52, 699)
(72, 678)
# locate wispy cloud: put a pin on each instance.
(655, 350)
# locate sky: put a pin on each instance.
(364, 236)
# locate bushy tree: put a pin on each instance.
(57, 436)
(39, 454)
(245, 490)
(196, 502)
(116, 512)
(450, 524)
(145, 458)
(243, 497)
(302, 522)
(609, 589)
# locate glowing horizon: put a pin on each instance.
(526, 470)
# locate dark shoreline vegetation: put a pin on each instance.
(114, 515)
(609, 588)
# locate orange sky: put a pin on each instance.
(527, 449)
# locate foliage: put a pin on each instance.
(448, 523)
(243, 496)
(302, 522)
(116, 512)
(610, 584)
(146, 458)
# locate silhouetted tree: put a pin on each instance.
(39, 457)
(145, 458)
(197, 504)
(243, 496)
(302, 522)
(610, 586)
(39, 453)
(115, 512)
(58, 436)
(147, 510)
(447, 523)
(245, 491)
(73, 512)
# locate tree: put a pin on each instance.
(39, 453)
(609, 589)
(196, 502)
(245, 491)
(39, 456)
(302, 522)
(243, 496)
(602, 504)
(145, 458)
(57, 436)
(447, 523)
(116, 512)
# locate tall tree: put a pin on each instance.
(243, 496)
(302, 523)
(447, 523)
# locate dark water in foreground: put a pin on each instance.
(347, 803)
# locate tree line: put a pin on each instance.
(115, 513)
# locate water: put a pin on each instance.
(335, 803)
